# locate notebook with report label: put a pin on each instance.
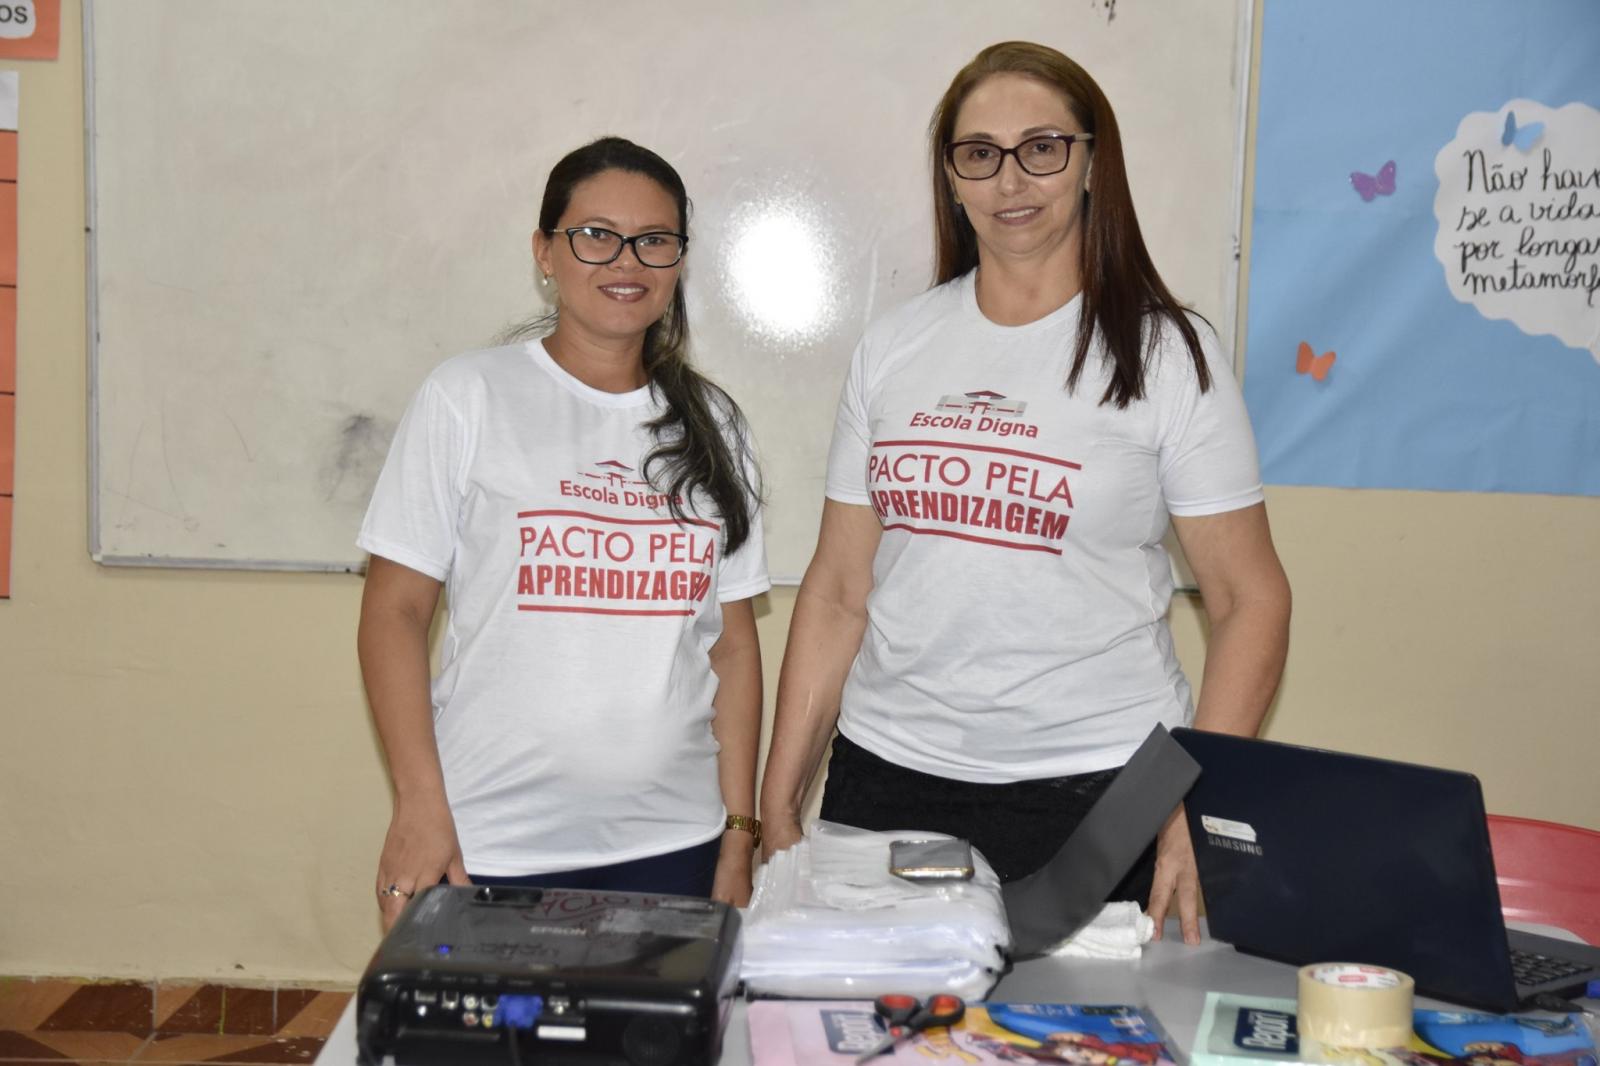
(1311, 856)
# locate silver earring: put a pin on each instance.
(544, 279)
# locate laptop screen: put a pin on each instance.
(1315, 856)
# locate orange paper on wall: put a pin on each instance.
(5, 547)
(8, 303)
(8, 339)
(8, 441)
(8, 232)
(8, 242)
(30, 29)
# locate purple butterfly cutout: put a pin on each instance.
(1369, 185)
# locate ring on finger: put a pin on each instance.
(395, 890)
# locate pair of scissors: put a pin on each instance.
(904, 1015)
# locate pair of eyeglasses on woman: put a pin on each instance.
(1039, 156)
(598, 246)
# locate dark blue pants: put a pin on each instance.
(689, 872)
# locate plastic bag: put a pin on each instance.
(828, 919)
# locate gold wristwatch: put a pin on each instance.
(748, 824)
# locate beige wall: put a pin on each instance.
(189, 787)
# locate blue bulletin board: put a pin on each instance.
(1424, 288)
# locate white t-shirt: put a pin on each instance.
(1017, 624)
(573, 704)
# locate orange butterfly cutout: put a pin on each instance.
(1309, 362)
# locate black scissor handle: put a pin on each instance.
(897, 1010)
(940, 1010)
(903, 1015)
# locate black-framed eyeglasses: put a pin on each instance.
(598, 246)
(1039, 156)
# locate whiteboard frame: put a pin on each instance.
(1232, 274)
(92, 306)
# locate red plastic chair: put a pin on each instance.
(1548, 873)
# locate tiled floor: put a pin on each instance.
(54, 1021)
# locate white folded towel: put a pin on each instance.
(1119, 931)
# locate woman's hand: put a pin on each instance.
(732, 881)
(420, 848)
(1176, 875)
(778, 833)
(1247, 602)
(397, 608)
(825, 631)
(736, 724)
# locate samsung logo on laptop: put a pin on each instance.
(1230, 835)
(1233, 845)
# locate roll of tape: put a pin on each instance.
(1348, 1004)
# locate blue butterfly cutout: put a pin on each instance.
(1523, 137)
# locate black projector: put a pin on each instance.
(549, 976)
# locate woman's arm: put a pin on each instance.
(397, 607)
(1246, 597)
(736, 660)
(830, 616)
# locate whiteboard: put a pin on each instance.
(298, 208)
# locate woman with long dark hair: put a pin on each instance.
(589, 503)
(985, 614)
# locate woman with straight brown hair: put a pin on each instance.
(985, 615)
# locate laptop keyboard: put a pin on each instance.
(1531, 968)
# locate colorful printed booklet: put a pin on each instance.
(1254, 1031)
(809, 1032)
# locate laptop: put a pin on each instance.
(1312, 856)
